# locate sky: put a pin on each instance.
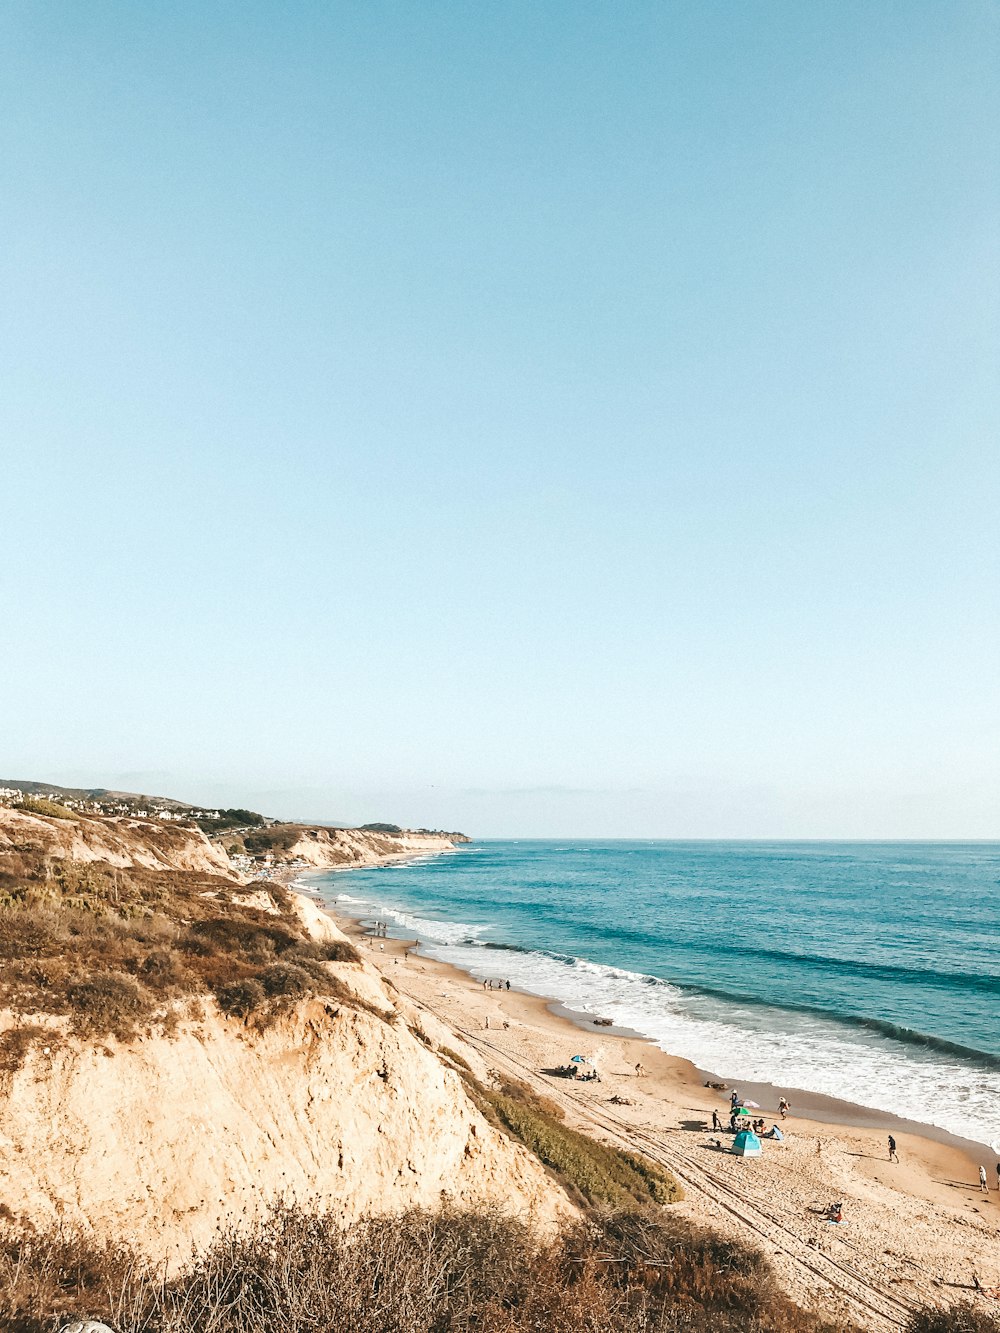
(537, 419)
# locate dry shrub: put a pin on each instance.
(336, 951)
(241, 999)
(964, 1318)
(475, 1272)
(46, 1279)
(110, 1004)
(287, 980)
(116, 948)
(15, 1043)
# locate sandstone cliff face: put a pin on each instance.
(118, 842)
(328, 848)
(162, 1139)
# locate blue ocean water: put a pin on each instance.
(866, 971)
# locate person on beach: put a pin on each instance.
(508, 985)
(998, 1175)
(640, 1072)
(783, 1106)
(982, 1180)
(892, 1150)
(734, 1099)
(716, 1122)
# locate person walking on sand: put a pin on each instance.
(982, 1180)
(892, 1150)
(716, 1122)
(998, 1175)
(783, 1106)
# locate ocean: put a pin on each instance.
(867, 971)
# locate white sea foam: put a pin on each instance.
(740, 1041)
(421, 928)
(758, 1043)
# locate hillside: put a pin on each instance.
(179, 1048)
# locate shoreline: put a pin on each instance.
(805, 1104)
(917, 1231)
(817, 1107)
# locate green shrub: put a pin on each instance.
(459, 1061)
(600, 1174)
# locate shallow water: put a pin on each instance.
(866, 971)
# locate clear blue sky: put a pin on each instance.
(536, 418)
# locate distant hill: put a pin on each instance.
(211, 819)
(104, 801)
(58, 793)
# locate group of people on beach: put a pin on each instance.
(490, 984)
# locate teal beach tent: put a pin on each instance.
(746, 1144)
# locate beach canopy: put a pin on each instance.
(746, 1144)
(741, 1110)
(579, 1060)
(755, 1105)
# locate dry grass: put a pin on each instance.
(114, 951)
(476, 1272)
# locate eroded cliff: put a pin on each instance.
(266, 1061)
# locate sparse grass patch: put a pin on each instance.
(599, 1174)
(458, 1060)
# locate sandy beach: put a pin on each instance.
(917, 1232)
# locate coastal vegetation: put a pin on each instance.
(37, 805)
(114, 950)
(444, 1272)
(594, 1173)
